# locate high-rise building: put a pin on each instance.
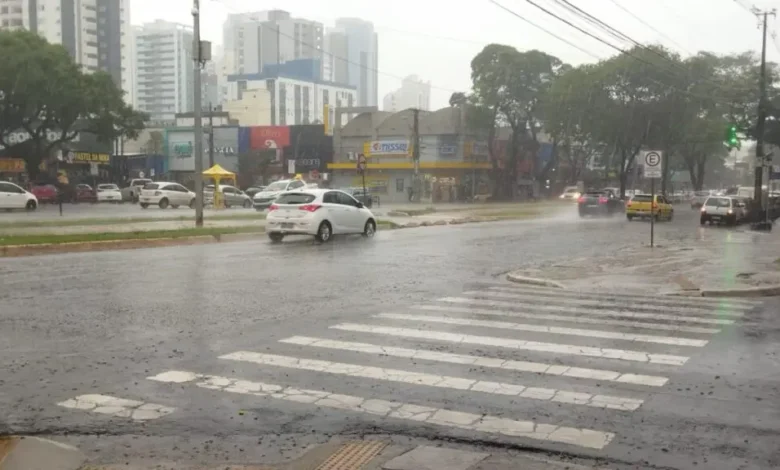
(164, 76)
(95, 32)
(254, 40)
(362, 57)
(413, 93)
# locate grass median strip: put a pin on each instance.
(55, 221)
(42, 239)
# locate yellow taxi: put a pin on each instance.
(640, 206)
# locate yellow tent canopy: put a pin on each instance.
(217, 171)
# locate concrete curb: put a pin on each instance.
(33, 453)
(517, 278)
(760, 291)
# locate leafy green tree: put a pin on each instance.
(50, 100)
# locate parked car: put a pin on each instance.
(643, 206)
(363, 196)
(318, 212)
(45, 193)
(603, 202)
(133, 190)
(232, 196)
(164, 194)
(109, 193)
(723, 209)
(254, 190)
(263, 199)
(84, 193)
(16, 197)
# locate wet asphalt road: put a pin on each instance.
(101, 323)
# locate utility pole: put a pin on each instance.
(197, 59)
(758, 181)
(211, 136)
(416, 184)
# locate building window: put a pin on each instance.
(306, 105)
(282, 104)
(399, 185)
(325, 97)
(297, 104)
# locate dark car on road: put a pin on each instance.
(603, 202)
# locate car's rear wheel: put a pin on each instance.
(247, 204)
(144, 205)
(275, 237)
(163, 203)
(370, 228)
(31, 205)
(324, 232)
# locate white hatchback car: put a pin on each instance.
(15, 197)
(109, 193)
(166, 194)
(318, 212)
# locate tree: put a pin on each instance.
(458, 99)
(155, 143)
(508, 87)
(49, 100)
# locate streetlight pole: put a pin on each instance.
(197, 114)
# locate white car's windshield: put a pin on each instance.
(276, 187)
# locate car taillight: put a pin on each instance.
(603, 200)
(272, 207)
(158, 193)
(581, 199)
(309, 207)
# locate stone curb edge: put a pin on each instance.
(516, 278)
(33, 453)
(13, 251)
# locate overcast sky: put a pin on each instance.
(437, 39)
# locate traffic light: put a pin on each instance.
(731, 136)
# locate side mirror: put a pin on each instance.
(360, 205)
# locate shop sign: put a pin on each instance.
(15, 138)
(182, 150)
(87, 157)
(269, 137)
(389, 147)
(12, 165)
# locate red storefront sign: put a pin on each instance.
(269, 137)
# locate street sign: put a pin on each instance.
(653, 164)
(361, 163)
(93, 169)
(291, 167)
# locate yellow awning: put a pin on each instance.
(218, 171)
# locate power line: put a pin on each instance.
(511, 12)
(751, 9)
(626, 10)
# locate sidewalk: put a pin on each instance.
(718, 260)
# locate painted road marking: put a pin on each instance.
(604, 353)
(569, 318)
(651, 299)
(586, 311)
(481, 361)
(603, 303)
(439, 381)
(556, 330)
(389, 409)
(117, 407)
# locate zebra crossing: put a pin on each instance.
(537, 358)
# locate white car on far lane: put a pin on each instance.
(109, 193)
(318, 212)
(164, 194)
(15, 197)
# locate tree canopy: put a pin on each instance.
(46, 97)
(602, 115)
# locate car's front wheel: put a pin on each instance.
(275, 237)
(369, 229)
(247, 204)
(324, 232)
(163, 203)
(144, 205)
(31, 205)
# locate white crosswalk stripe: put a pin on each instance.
(522, 352)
